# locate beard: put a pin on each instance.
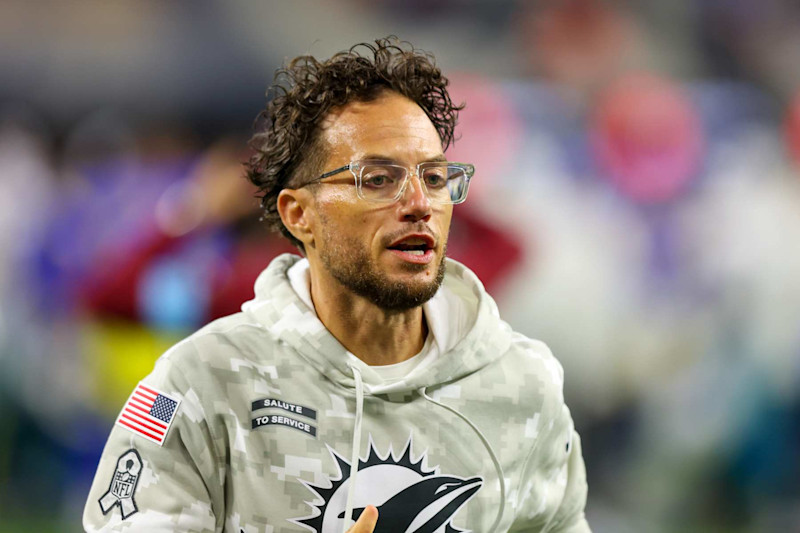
(348, 261)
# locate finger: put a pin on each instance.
(366, 522)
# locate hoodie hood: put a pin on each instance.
(482, 337)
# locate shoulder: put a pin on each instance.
(220, 344)
(536, 355)
(539, 376)
(201, 367)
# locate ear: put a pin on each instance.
(295, 209)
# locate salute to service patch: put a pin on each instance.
(149, 413)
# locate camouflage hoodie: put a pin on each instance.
(263, 422)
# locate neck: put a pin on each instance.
(374, 335)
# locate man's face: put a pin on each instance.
(365, 246)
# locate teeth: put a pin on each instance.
(416, 252)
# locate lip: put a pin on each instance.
(429, 241)
(420, 259)
(416, 258)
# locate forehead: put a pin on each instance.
(391, 126)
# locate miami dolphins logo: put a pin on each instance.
(410, 497)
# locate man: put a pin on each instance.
(371, 381)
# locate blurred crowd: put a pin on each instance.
(636, 205)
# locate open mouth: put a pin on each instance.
(416, 248)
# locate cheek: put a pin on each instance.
(343, 219)
(443, 222)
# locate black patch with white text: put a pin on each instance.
(280, 420)
(123, 485)
(273, 403)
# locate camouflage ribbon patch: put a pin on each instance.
(123, 485)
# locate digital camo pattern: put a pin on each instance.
(264, 429)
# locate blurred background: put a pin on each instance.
(636, 206)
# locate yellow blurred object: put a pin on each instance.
(118, 355)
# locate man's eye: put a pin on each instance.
(377, 181)
(435, 181)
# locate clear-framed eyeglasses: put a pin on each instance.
(443, 182)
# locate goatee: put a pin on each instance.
(351, 266)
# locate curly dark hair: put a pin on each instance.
(287, 147)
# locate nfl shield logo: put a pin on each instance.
(123, 488)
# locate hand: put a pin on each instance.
(366, 522)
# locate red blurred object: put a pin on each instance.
(491, 252)
(792, 128)
(647, 138)
(113, 287)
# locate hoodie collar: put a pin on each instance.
(463, 316)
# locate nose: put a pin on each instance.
(414, 202)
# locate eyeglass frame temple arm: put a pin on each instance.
(334, 172)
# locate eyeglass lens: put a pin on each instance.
(442, 183)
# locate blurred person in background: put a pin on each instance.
(371, 373)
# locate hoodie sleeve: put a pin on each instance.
(552, 490)
(553, 486)
(569, 516)
(141, 485)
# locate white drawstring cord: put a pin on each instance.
(354, 460)
(488, 447)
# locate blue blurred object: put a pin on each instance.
(175, 291)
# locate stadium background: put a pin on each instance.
(636, 206)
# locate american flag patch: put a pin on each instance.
(148, 413)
